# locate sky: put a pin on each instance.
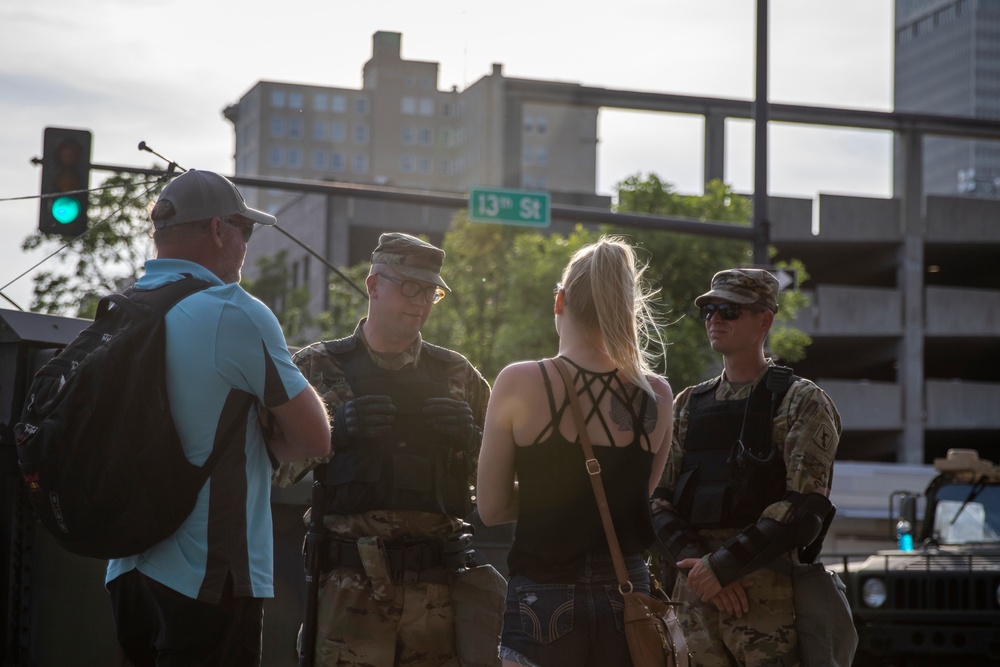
(134, 70)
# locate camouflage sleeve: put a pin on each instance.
(675, 460)
(809, 427)
(324, 373)
(468, 384)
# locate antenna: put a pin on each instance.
(171, 165)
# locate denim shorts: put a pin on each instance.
(570, 624)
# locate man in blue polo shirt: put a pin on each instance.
(196, 598)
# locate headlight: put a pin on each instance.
(873, 592)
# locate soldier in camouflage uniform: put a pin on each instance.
(747, 483)
(407, 428)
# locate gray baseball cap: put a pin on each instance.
(201, 195)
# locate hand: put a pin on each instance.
(732, 600)
(451, 418)
(364, 417)
(701, 579)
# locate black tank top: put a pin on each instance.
(558, 522)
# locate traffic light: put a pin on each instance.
(65, 181)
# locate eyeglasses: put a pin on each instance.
(410, 289)
(727, 311)
(245, 227)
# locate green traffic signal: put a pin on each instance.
(65, 210)
(65, 181)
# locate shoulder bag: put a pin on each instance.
(651, 628)
(823, 620)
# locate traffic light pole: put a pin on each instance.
(761, 112)
(458, 201)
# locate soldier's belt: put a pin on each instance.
(405, 559)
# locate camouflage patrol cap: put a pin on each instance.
(744, 286)
(410, 257)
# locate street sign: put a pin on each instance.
(787, 279)
(510, 207)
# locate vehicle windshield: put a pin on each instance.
(967, 513)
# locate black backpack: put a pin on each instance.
(98, 450)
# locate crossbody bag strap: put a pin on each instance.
(594, 472)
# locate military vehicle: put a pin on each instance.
(936, 599)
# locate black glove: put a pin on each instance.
(364, 417)
(453, 419)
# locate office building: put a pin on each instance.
(905, 312)
(948, 62)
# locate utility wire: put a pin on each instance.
(88, 231)
(167, 173)
(325, 262)
(53, 195)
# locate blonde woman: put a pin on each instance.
(563, 606)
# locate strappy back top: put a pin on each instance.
(559, 523)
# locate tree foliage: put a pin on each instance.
(500, 310)
(502, 277)
(682, 265)
(108, 258)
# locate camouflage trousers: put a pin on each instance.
(413, 625)
(757, 639)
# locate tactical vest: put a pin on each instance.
(412, 468)
(727, 480)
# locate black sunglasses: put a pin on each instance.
(727, 311)
(245, 227)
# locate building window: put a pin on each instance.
(408, 135)
(408, 106)
(275, 157)
(359, 164)
(319, 160)
(337, 161)
(426, 83)
(321, 130)
(295, 158)
(424, 165)
(295, 129)
(278, 99)
(361, 134)
(426, 136)
(541, 124)
(320, 102)
(338, 132)
(338, 104)
(409, 82)
(277, 126)
(529, 156)
(529, 124)
(426, 106)
(295, 101)
(541, 156)
(406, 164)
(361, 106)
